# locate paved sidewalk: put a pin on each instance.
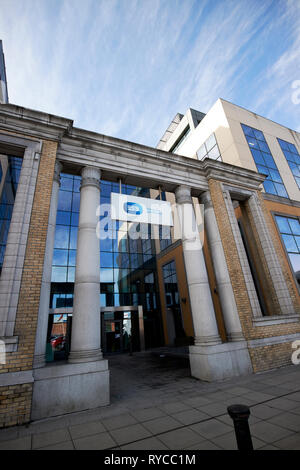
(157, 405)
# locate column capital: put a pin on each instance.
(57, 170)
(205, 198)
(90, 176)
(183, 194)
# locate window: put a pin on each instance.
(172, 298)
(170, 283)
(64, 255)
(209, 149)
(124, 262)
(180, 140)
(293, 158)
(7, 199)
(264, 161)
(165, 238)
(289, 229)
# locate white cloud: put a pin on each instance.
(125, 67)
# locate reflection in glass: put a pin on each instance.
(289, 228)
(293, 158)
(10, 174)
(264, 161)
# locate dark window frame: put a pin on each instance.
(288, 216)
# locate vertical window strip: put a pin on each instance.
(264, 161)
(293, 158)
(289, 229)
(209, 149)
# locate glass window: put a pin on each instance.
(7, 197)
(264, 161)
(289, 229)
(181, 139)
(293, 158)
(209, 149)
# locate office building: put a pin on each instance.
(76, 285)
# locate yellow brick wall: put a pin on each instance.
(268, 356)
(15, 401)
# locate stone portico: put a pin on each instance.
(50, 145)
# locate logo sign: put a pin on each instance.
(140, 209)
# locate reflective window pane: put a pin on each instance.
(64, 201)
(60, 257)
(63, 218)
(61, 236)
(289, 228)
(293, 158)
(263, 159)
(209, 149)
(59, 274)
(283, 224)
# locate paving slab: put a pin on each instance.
(287, 420)
(96, 442)
(45, 439)
(23, 443)
(190, 416)
(67, 445)
(269, 432)
(264, 411)
(120, 421)
(86, 429)
(160, 425)
(146, 414)
(289, 443)
(228, 442)
(211, 429)
(130, 434)
(151, 443)
(204, 445)
(180, 438)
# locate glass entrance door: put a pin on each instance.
(113, 336)
(122, 329)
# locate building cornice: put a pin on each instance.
(36, 123)
(117, 157)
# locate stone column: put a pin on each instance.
(42, 325)
(203, 313)
(86, 339)
(224, 287)
(271, 257)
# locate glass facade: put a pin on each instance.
(289, 229)
(264, 161)
(172, 297)
(127, 265)
(64, 255)
(293, 158)
(165, 238)
(10, 174)
(209, 149)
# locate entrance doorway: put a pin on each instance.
(122, 329)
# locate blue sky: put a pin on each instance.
(126, 67)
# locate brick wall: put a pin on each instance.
(15, 401)
(265, 357)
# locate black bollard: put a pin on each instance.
(240, 415)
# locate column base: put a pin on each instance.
(76, 357)
(67, 388)
(219, 362)
(207, 340)
(39, 361)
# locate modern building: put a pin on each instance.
(3, 81)
(70, 296)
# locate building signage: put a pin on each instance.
(140, 209)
